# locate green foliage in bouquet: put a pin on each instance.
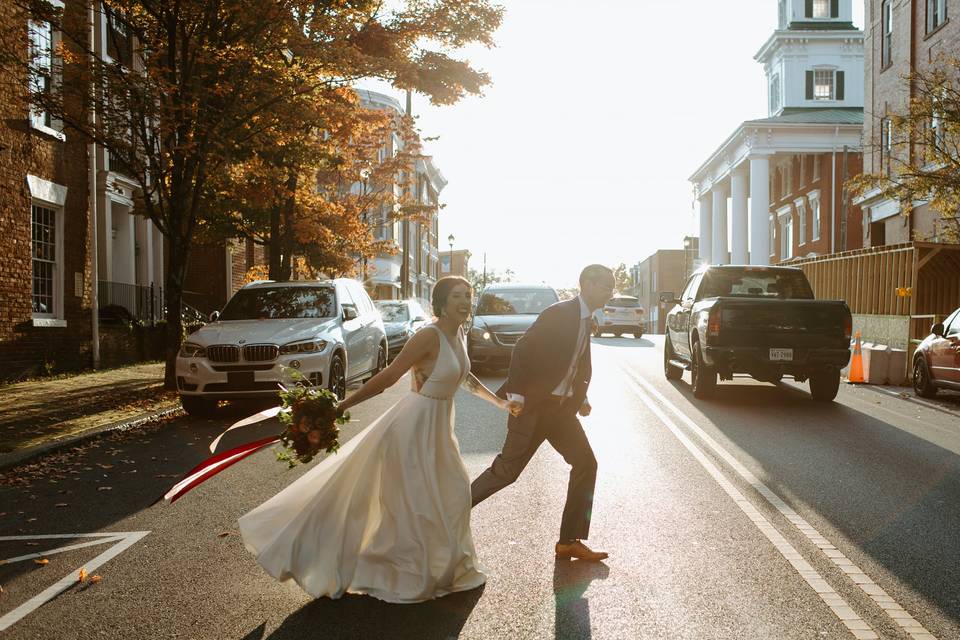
(311, 423)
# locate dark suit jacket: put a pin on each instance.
(542, 357)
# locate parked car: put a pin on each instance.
(756, 320)
(622, 314)
(504, 313)
(401, 319)
(327, 330)
(936, 362)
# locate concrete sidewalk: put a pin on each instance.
(42, 414)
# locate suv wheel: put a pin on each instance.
(198, 407)
(824, 385)
(338, 377)
(922, 384)
(703, 377)
(669, 370)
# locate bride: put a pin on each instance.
(389, 514)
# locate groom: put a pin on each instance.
(549, 375)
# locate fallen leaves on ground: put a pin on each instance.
(41, 561)
(83, 575)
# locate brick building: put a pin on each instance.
(903, 37)
(666, 270)
(45, 226)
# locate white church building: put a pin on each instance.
(772, 191)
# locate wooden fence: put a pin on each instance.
(869, 279)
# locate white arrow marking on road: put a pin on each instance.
(122, 539)
(890, 606)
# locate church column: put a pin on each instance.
(760, 210)
(706, 226)
(719, 207)
(738, 222)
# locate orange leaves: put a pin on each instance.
(41, 561)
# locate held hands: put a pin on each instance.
(585, 409)
(515, 408)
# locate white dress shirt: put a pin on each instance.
(565, 388)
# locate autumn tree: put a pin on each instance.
(622, 278)
(183, 88)
(922, 149)
(478, 280)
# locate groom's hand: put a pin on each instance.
(515, 408)
(585, 409)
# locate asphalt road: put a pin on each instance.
(759, 514)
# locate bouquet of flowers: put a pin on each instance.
(311, 425)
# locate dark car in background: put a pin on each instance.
(936, 362)
(756, 320)
(401, 319)
(504, 313)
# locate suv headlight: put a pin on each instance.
(303, 346)
(191, 350)
(480, 333)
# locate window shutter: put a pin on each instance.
(808, 9)
(809, 85)
(834, 8)
(839, 85)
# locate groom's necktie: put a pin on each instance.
(565, 388)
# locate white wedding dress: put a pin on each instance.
(389, 514)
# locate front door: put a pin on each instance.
(353, 334)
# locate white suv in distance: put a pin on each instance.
(622, 314)
(328, 330)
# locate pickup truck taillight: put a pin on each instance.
(848, 327)
(713, 323)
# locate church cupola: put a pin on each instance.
(814, 60)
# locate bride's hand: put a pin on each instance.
(513, 407)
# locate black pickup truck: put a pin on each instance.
(755, 320)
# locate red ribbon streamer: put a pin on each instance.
(214, 465)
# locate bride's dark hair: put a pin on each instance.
(441, 291)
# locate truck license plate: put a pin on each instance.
(782, 355)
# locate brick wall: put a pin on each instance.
(25, 349)
(887, 92)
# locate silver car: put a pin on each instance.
(401, 319)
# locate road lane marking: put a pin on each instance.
(857, 626)
(122, 540)
(882, 599)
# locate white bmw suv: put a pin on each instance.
(328, 330)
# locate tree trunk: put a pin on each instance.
(287, 243)
(275, 252)
(177, 268)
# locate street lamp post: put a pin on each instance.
(450, 239)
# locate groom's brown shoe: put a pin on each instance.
(576, 550)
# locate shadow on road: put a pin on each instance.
(891, 493)
(624, 342)
(363, 618)
(572, 611)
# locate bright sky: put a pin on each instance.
(599, 112)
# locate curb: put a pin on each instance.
(14, 458)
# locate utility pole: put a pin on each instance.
(484, 269)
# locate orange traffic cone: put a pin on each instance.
(855, 375)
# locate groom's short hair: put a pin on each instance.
(595, 273)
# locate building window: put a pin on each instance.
(820, 9)
(886, 144)
(119, 40)
(936, 121)
(936, 14)
(773, 236)
(815, 210)
(786, 237)
(802, 219)
(886, 20)
(46, 274)
(782, 14)
(41, 71)
(823, 84)
(775, 93)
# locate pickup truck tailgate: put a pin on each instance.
(783, 323)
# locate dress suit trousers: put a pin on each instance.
(555, 421)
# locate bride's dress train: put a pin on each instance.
(389, 514)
